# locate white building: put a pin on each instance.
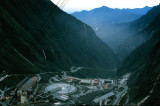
(24, 98)
(85, 81)
(97, 100)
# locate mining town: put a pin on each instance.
(61, 89)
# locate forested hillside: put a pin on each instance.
(36, 36)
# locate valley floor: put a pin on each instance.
(59, 89)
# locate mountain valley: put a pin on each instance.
(49, 57)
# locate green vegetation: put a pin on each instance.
(143, 63)
(36, 36)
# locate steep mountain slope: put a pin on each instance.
(143, 54)
(107, 23)
(138, 58)
(147, 77)
(146, 19)
(36, 36)
(144, 63)
(139, 32)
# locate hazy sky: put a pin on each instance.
(79, 5)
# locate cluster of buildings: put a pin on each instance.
(92, 83)
(60, 90)
(23, 93)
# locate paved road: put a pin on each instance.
(4, 77)
(120, 95)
